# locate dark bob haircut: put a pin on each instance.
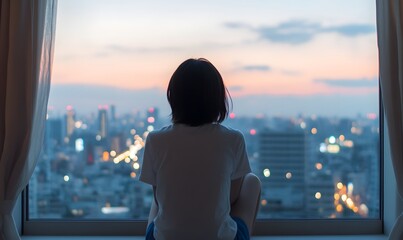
(196, 94)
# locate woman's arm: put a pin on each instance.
(235, 190)
(154, 207)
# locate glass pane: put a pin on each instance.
(303, 79)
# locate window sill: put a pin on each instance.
(344, 237)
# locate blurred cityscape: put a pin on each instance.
(310, 166)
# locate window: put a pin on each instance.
(302, 75)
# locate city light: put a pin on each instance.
(78, 124)
(66, 178)
(322, 148)
(288, 175)
(105, 156)
(314, 131)
(77, 212)
(318, 166)
(79, 144)
(339, 185)
(263, 202)
(115, 210)
(136, 165)
(350, 188)
(372, 116)
(348, 144)
(252, 132)
(349, 202)
(333, 148)
(98, 137)
(332, 140)
(364, 209)
(113, 153)
(318, 195)
(150, 119)
(266, 172)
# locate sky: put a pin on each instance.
(284, 57)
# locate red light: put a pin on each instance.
(151, 110)
(232, 115)
(371, 116)
(69, 108)
(102, 107)
(252, 132)
(151, 119)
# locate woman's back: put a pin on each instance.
(193, 168)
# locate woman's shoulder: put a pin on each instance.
(230, 132)
(160, 132)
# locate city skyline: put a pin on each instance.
(310, 167)
(85, 99)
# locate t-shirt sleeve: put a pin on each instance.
(148, 172)
(241, 166)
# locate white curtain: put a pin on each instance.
(390, 43)
(27, 32)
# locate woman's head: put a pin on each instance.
(197, 94)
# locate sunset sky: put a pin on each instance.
(278, 49)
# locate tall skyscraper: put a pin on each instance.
(113, 113)
(53, 134)
(102, 122)
(282, 157)
(70, 121)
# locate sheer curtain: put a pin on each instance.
(27, 31)
(390, 43)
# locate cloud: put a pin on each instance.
(291, 72)
(297, 32)
(352, 30)
(235, 88)
(349, 83)
(260, 68)
(123, 49)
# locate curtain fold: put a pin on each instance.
(390, 45)
(27, 32)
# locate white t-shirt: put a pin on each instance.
(192, 169)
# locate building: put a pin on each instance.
(282, 157)
(69, 123)
(102, 122)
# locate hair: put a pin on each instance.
(197, 94)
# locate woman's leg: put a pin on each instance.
(247, 203)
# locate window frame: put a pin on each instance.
(263, 227)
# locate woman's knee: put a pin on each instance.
(251, 182)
